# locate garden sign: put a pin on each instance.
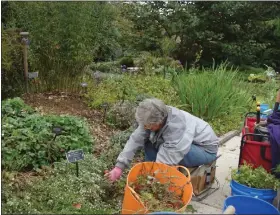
(74, 156)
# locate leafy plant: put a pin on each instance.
(15, 108)
(28, 140)
(227, 123)
(128, 61)
(11, 63)
(155, 65)
(60, 47)
(60, 191)
(116, 145)
(257, 78)
(122, 114)
(212, 94)
(255, 178)
(129, 88)
(112, 67)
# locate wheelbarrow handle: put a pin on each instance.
(188, 175)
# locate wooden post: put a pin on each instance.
(25, 63)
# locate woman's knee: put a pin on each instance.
(197, 156)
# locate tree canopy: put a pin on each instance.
(73, 34)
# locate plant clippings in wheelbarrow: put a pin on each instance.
(157, 196)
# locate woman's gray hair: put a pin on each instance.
(151, 111)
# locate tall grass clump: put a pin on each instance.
(212, 93)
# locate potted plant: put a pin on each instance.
(254, 182)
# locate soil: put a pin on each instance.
(71, 104)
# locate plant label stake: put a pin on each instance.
(74, 156)
(84, 87)
(25, 43)
(33, 75)
(105, 105)
(57, 131)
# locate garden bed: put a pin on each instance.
(61, 103)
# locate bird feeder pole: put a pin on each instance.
(25, 43)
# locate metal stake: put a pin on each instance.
(25, 63)
(77, 169)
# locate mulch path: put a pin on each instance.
(70, 104)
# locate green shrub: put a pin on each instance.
(129, 88)
(265, 92)
(107, 67)
(11, 63)
(128, 61)
(15, 108)
(117, 143)
(257, 78)
(57, 192)
(155, 65)
(212, 94)
(122, 114)
(227, 123)
(50, 51)
(27, 139)
(251, 69)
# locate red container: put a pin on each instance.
(254, 152)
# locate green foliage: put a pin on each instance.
(212, 94)
(128, 61)
(243, 32)
(11, 63)
(265, 92)
(58, 190)
(65, 38)
(57, 83)
(122, 114)
(151, 64)
(15, 108)
(255, 178)
(49, 24)
(27, 138)
(11, 56)
(257, 78)
(168, 45)
(110, 67)
(116, 145)
(60, 46)
(129, 87)
(227, 123)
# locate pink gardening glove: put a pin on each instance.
(114, 174)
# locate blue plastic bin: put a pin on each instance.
(249, 205)
(267, 195)
(264, 107)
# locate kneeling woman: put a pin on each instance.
(168, 135)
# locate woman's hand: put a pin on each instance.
(114, 174)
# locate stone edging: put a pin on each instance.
(228, 136)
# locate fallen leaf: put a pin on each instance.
(77, 205)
